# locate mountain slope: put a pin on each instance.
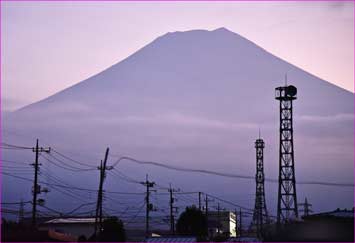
(197, 99)
(209, 65)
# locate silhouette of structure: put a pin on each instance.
(260, 216)
(149, 205)
(36, 189)
(287, 197)
(98, 213)
(21, 214)
(173, 209)
(306, 208)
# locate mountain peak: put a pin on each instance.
(222, 29)
(199, 31)
(221, 36)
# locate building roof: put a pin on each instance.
(71, 221)
(337, 214)
(243, 239)
(171, 239)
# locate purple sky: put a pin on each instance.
(48, 46)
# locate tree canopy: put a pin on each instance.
(192, 222)
(113, 231)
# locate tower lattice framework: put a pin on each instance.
(260, 216)
(287, 197)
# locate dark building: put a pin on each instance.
(335, 226)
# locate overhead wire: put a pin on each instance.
(72, 160)
(14, 146)
(224, 174)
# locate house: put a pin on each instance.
(70, 228)
(222, 222)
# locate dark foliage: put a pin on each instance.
(113, 231)
(14, 232)
(317, 229)
(192, 222)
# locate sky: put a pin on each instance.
(49, 46)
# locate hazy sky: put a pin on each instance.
(48, 46)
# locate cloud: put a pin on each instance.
(338, 4)
(343, 117)
(183, 120)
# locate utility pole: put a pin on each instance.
(199, 200)
(240, 222)
(236, 222)
(98, 215)
(36, 188)
(206, 211)
(218, 218)
(206, 208)
(21, 212)
(149, 206)
(172, 208)
(171, 211)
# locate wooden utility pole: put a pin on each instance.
(98, 215)
(218, 218)
(149, 206)
(21, 214)
(236, 222)
(206, 208)
(199, 201)
(240, 222)
(172, 208)
(36, 188)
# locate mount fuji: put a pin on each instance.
(197, 99)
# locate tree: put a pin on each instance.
(113, 231)
(192, 222)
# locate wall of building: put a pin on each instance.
(76, 229)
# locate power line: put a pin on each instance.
(223, 174)
(123, 176)
(71, 187)
(65, 167)
(15, 203)
(229, 202)
(203, 171)
(16, 167)
(135, 216)
(79, 207)
(71, 166)
(15, 146)
(72, 160)
(11, 148)
(12, 161)
(52, 210)
(65, 191)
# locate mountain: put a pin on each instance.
(197, 99)
(209, 65)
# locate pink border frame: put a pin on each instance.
(140, 1)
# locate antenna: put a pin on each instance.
(287, 208)
(260, 215)
(259, 132)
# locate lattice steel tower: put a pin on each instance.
(260, 216)
(287, 197)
